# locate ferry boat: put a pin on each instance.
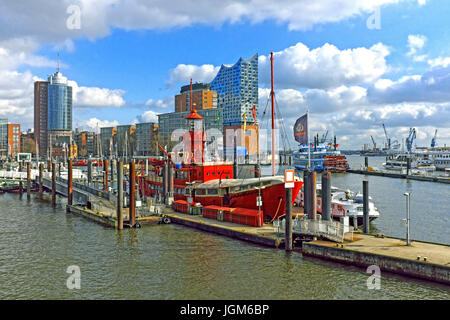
(439, 155)
(343, 203)
(322, 157)
(399, 162)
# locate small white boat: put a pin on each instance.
(343, 203)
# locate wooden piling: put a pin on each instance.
(313, 195)
(288, 218)
(69, 183)
(306, 200)
(119, 194)
(53, 184)
(326, 195)
(132, 193)
(105, 179)
(28, 180)
(366, 206)
(20, 182)
(89, 171)
(41, 170)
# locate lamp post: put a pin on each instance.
(408, 217)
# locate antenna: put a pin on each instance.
(57, 69)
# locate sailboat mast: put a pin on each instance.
(272, 95)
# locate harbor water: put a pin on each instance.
(38, 243)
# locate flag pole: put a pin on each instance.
(307, 139)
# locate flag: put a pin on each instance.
(301, 129)
(254, 113)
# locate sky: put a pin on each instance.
(354, 64)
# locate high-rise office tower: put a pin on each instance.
(40, 116)
(53, 115)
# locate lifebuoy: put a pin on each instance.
(166, 220)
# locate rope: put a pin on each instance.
(276, 213)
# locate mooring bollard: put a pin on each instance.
(288, 220)
(69, 184)
(53, 184)
(366, 206)
(132, 193)
(41, 170)
(28, 180)
(105, 178)
(326, 196)
(119, 194)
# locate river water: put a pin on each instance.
(38, 244)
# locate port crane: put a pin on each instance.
(410, 139)
(374, 143)
(388, 140)
(324, 137)
(390, 144)
(433, 141)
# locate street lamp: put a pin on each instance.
(408, 217)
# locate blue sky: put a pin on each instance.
(120, 62)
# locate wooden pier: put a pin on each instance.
(400, 176)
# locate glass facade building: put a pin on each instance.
(59, 111)
(237, 89)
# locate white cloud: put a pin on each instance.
(148, 116)
(432, 86)
(439, 62)
(98, 17)
(160, 103)
(324, 67)
(182, 73)
(422, 2)
(415, 45)
(94, 124)
(93, 97)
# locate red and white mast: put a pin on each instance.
(272, 95)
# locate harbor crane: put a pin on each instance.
(410, 139)
(324, 137)
(390, 144)
(374, 143)
(388, 140)
(433, 141)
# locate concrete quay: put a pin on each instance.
(390, 254)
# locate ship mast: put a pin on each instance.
(272, 95)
